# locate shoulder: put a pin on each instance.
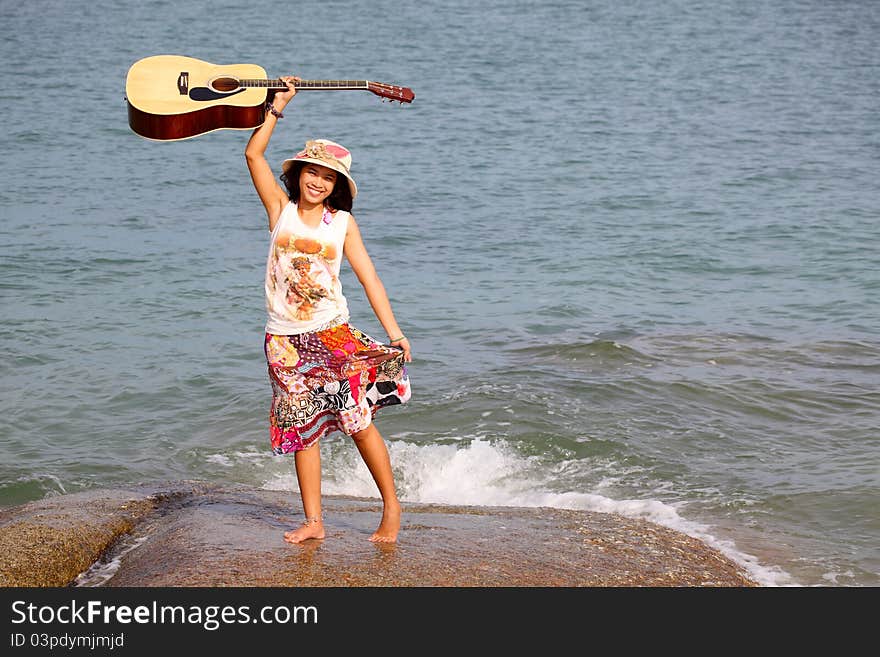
(353, 238)
(278, 212)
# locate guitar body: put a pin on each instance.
(171, 97)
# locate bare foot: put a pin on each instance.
(390, 525)
(311, 528)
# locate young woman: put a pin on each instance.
(326, 375)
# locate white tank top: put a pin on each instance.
(303, 291)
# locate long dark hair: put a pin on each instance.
(339, 199)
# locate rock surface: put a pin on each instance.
(198, 534)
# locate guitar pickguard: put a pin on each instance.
(206, 93)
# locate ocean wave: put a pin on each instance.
(482, 473)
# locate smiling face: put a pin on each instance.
(316, 182)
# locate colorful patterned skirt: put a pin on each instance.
(334, 379)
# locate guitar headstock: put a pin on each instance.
(392, 92)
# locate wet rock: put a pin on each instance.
(195, 534)
(48, 543)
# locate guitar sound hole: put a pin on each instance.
(225, 84)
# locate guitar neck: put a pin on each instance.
(326, 85)
(388, 91)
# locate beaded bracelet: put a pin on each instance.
(271, 108)
(402, 337)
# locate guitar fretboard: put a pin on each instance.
(306, 84)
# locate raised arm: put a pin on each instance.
(271, 193)
(362, 265)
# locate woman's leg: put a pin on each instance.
(308, 474)
(375, 454)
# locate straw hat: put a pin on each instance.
(328, 154)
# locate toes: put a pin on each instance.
(383, 539)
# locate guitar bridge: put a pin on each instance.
(183, 83)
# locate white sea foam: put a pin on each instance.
(482, 473)
(219, 459)
(103, 570)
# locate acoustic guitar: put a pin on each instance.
(172, 97)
